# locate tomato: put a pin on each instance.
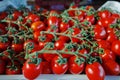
(115, 15)
(36, 35)
(31, 70)
(83, 51)
(63, 26)
(28, 41)
(2, 66)
(42, 44)
(104, 14)
(75, 67)
(3, 15)
(116, 47)
(38, 26)
(81, 17)
(48, 57)
(106, 22)
(111, 67)
(99, 32)
(111, 37)
(4, 45)
(17, 47)
(2, 29)
(72, 12)
(95, 71)
(108, 55)
(90, 18)
(59, 68)
(53, 21)
(64, 38)
(6, 56)
(16, 15)
(103, 44)
(59, 45)
(33, 18)
(10, 71)
(46, 67)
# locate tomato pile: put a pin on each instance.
(78, 40)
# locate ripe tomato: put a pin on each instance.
(46, 67)
(63, 26)
(75, 67)
(38, 26)
(99, 32)
(59, 45)
(104, 14)
(115, 15)
(111, 37)
(48, 57)
(95, 71)
(104, 44)
(83, 51)
(36, 35)
(16, 15)
(2, 66)
(31, 70)
(33, 18)
(4, 45)
(17, 47)
(90, 18)
(58, 67)
(12, 71)
(6, 56)
(28, 41)
(53, 21)
(108, 54)
(116, 47)
(2, 29)
(3, 15)
(64, 38)
(111, 67)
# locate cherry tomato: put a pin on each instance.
(2, 66)
(111, 67)
(99, 32)
(33, 18)
(36, 35)
(95, 71)
(111, 37)
(59, 68)
(31, 70)
(104, 14)
(38, 26)
(3, 15)
(53, 21)
(90, 18)
(59, 45)
(64, 38)
(46, 67)
(103, 44)
(63, 26)
(75, 67)
(48, 57)
(16, 15)
(107, 55)
(116, 47)
(28, 41)
(4, 45)
(18, 47)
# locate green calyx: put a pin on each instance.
(80, 60)
(62, 61)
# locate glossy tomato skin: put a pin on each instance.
(38, 26)
(103, 44)
(90, 18)
(64, 26)
(111, 67)
(16, 15)
(48, 57)
(17, 47)
(111, 37)
(59, 45)
(99, 32)
(104, 14)
(74, 67)
(116, 47)
(58, 68)
(10, 71)
(53, 20)
(2, 66)
(33, 18)
(31, 70)
(95, 71)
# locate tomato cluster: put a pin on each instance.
(79, 40)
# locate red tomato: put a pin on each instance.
(46, 68)
(42, 44)
(16, 15)
(2, 29)
(74, 65)
(59, 45)
(48, 57)
(115, 15)
(111, 37)
(3, 15)
(18, 47)
(81, 17)
(6, 56)
(31, 70)
(99, 32)
(33, 18)
(104, 44)
(36, 35)
(38, 26)
(83, 51)
(108, 55)
(90, 18)
(11, 71)
(63, 26)
(111, 67)
(59, 68)
(95, 71)
(28, 41)
(2, 66)
(104, 14)
(64, 38)
(4, 45)
(53, 21)
(116, 47)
